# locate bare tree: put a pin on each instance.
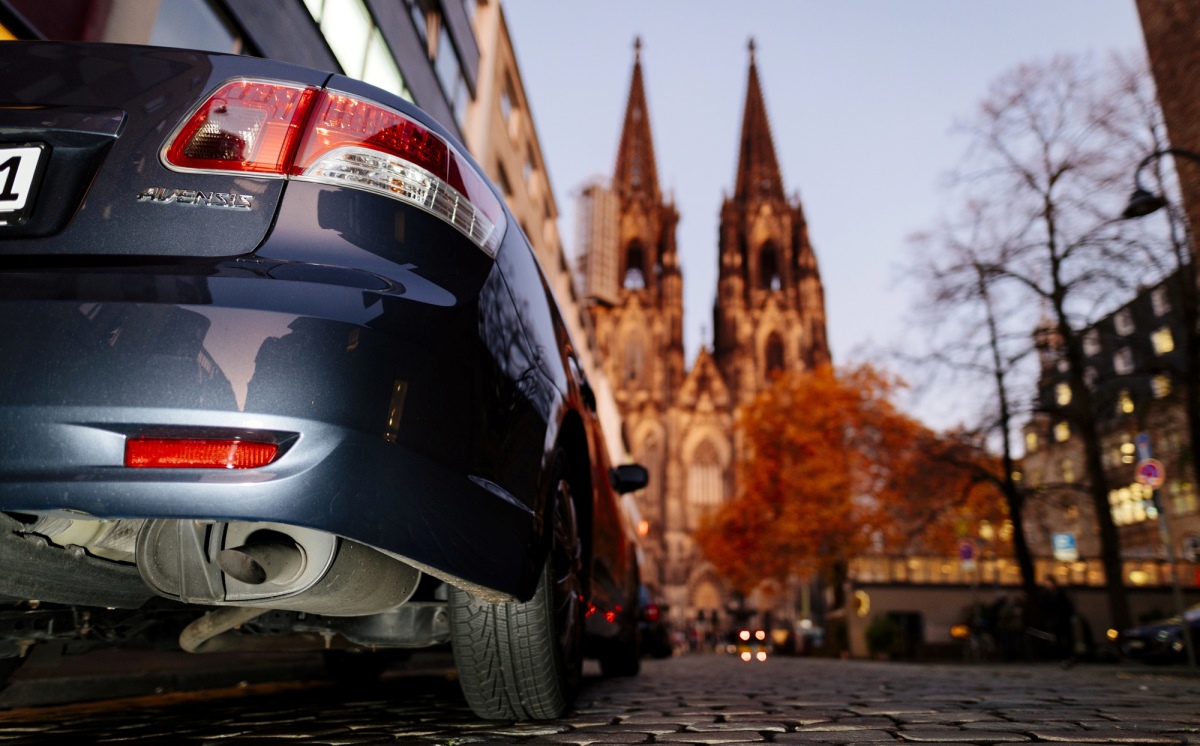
(1041, 189)
(978, 335)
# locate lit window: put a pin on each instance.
(1124, 402)
(1123, 361)
(1130, 504)
(1091, 342)
(1160, 301)
(1062, 394)
(1123, 321)
(1068, 471)
(1161, 386)
(1183, 498)
(1162, 340)
(1031, 442)
(380, 68)
(1062, 432)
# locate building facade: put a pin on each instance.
(1136, 363)
(769, 316)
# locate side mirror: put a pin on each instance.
(628, 477)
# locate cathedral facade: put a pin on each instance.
(769, 316)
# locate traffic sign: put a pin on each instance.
(1141, 444)
(1065, 549)
(1150, 472)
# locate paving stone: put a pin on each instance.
(1107, 736)
(597, 738)
(760, 727)
(850, 736)
(707, 738)
(956, 735)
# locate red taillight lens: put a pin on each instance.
(650, 613)
(196, 453)
(287, 130)
(246, 125)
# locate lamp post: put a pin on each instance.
(1142, 202)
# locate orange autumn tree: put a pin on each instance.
(832, 469)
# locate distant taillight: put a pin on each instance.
(197, 453)
(650, 613)
(275, 129)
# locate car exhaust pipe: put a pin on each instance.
(277, 561)
(270, 566)
(215, 623)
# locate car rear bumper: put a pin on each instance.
(388, 407)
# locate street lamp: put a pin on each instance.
(1143, 201)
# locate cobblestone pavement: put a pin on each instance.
(699, 699)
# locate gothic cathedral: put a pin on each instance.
(769, 316)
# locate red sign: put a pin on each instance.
(1150, 472)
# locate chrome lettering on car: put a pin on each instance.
(222, 200)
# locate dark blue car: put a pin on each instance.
(276, 357)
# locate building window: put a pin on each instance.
(1162, 340)
(704, 477)
(768, 266)
(357, 44)
(507, 96)
(449, 72)
(635, 277)
(1183, 498)
(527, 169)
(1123, 361)
(1091, 342)
(773, 355)
(1124, 402)
(1031, 442)
(1062, 432)
(1068, 471)
(193, 24)
(1089, 377)
(502, 180)
(1128, 449)
(1123, 321)
(1129, 504)
(1160, 301)
(1062, 394)
(635, 358)
(1160, 385)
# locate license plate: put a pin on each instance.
(19, 168)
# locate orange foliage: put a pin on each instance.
(830, 470)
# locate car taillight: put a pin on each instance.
(247, 125)
(290, 131)
(197, 453)
(650, 613)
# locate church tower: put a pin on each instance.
(770, 310)
(639, 323)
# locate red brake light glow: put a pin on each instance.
(328, 137)
(194, 453)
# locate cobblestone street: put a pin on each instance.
(693, 699)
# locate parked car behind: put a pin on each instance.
(278, 358)
(1162, 641)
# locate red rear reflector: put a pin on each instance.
(194, 453)
(245, 126)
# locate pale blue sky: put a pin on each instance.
(862, 95)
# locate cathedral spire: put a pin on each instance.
(758, 169)
(636, 173)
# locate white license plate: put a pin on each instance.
(18, 168)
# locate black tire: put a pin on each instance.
(522, 661)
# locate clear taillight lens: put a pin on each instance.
(332, 138)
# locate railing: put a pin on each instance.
(1003, 571)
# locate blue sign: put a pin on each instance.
(1065, 549)
(1142, 444)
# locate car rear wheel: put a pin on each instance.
(522, 661)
